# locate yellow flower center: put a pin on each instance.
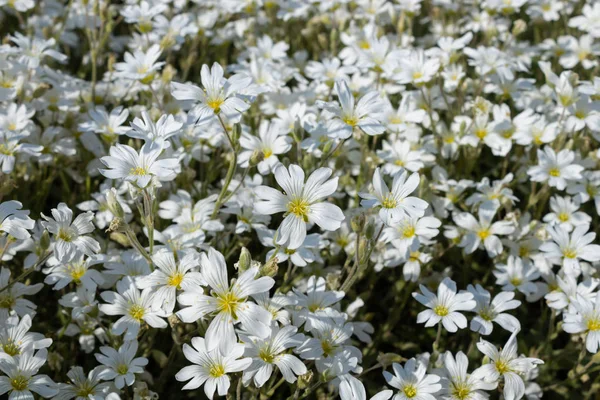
(122, 369)
(486, 314)
(461, 390)
(483, 234)
(351, 120)
(417, 75)
(593, 324)
(502, 367)
(215, 104)
(408, 231)
(77, 272)
(563, 217)
(441, 310)
(65, 234)
(523, 251)
(228, 303)
(569, 253)
(138, 171)
(85, 390)
(516, 281)
(11, 348)
(328, 348)
(555, 172)
(481, 133)
(410, 390)
(389, 201)
(266, 355)
(136, 312)
(7, 302)
(299, 207)
(175, 280)
(19, 383)
(267, 153)
(216, 371)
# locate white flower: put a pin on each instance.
(105, 124)
(169, 277)
(211, 366)
(567, 249)
(271, 141)
(458, 384)
(316, 304)
(489, 310)
(15, 337)
(417, 69)
(228, 302)
(218, 94)
(517, 274)
(82, 386)
(147, 130)
(364, 115)
(568, 290)
(69, 235)
(269, 352)
(11, 299)
(482, 231)
(300, 203)
(21, 375)
(139, 168)
(121, 365)
(412, 382)
(585, 318)
(14, 221)
(395, 204)
(140, 66)
(445, 306)
(134, 307)
(508, 365)
(556, 168)
(564, 214)
(77, 270)
(409, 231)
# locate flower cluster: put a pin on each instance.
(296, 199)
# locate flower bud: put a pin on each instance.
(519, 27)
(386, 359)
(304, 380)
(333, 281)
(113, 204)
(45, 240)
(370, 230)
(245, 261)
(256, 157)
(236, 132)
(358, 223)
(269, 268)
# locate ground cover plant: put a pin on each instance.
(299, 199)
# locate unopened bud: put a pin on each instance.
(333, 281)
(519, 27)
(236, 132)
(256, 157)
(113, 204)
(117, 225)
(269, 268)
(45, 240)
(370, 230)
(305, 380)
(245, 261)
(327, 147)
(358, 223)
(386, 359)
